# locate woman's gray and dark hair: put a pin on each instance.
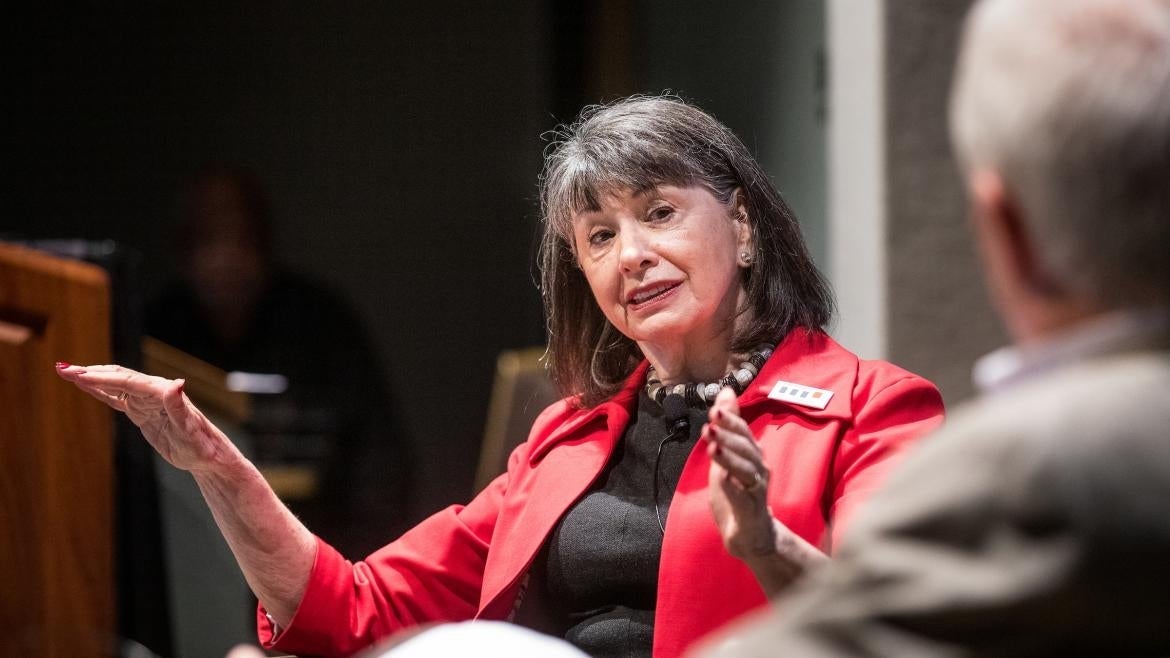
(635, 145)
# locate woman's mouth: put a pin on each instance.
(648, 295)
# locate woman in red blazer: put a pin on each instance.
(712, 443)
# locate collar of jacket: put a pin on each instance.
(805, 357)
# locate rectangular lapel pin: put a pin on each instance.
(805, 396)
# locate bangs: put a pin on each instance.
(580, 174)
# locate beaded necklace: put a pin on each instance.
(695, 393)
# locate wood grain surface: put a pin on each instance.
(56, 559)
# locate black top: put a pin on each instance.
(597, 577)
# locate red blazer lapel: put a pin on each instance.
(559, 469)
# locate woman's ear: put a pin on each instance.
(739, 206)
(745, 242)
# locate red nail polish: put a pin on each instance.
(61, 365)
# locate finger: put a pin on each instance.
(133, 393)
(111, 400)
(722, 482)
(68, 371)
(737, 494)
(173, 399)
(124, 379)
(119, 399)
(92, 387)
(730, 421)
(718, 476)
(733, 441)
(68, 368)
(738, 469)
(742, 468)
(725, 407)
(727, 401)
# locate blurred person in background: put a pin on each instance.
(324, 405)
(1036, 523)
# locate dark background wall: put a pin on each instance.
(400, 143)
(759, 69)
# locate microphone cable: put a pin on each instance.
(674, 408)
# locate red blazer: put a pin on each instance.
(470, 561)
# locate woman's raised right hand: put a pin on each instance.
(171, 423)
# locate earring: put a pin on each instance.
(745, 257)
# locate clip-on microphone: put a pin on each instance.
(674, 408)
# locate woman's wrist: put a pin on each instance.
(785, 559)
(225, 461)
(765, 547)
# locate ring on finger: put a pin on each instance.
(757, 483)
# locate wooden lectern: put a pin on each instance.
(56, 553)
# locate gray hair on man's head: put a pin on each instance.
(1069, 101)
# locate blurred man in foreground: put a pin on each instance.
(1037, 522)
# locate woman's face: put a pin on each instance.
(664, 264)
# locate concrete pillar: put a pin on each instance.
(900, 253)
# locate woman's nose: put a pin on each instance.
(637, 253)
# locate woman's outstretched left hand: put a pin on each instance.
(172, 425)
(274, 550)
(738, 489)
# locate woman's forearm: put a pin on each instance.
(784, 562)
(274, 550)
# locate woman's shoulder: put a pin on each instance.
(552, 422)
(866, 379)
(557, 414)
(872, 374)
(877, 377)
(568, 419)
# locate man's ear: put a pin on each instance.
(1008, 249)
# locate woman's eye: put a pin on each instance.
(600, 236)
(661, 213)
